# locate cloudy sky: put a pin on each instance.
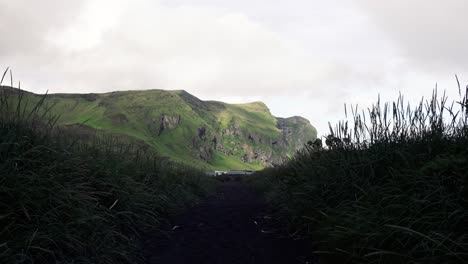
(300, 57)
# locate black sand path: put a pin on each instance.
(228, 227)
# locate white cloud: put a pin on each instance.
(25, 24)
(147, 45)
(302, 57)
(431, 34)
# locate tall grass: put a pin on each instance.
(66, 200)
(391, 187)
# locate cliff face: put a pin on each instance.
(293, 132)
(182, 127)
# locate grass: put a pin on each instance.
(64, 199)
(390, 187)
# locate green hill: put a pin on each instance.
(178, 125)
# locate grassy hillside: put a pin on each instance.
(177, 125)
(390, 187)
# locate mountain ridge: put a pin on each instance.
(182, 127)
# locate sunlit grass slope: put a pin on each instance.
(138, 114)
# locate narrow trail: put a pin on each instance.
(228, 227)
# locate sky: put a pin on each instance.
(300, 57)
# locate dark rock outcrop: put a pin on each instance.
(202, 132)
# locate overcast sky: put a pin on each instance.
(300, 57)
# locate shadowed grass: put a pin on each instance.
(391, 187)
(68, 200)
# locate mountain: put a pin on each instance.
(178, 125)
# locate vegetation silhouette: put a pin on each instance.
(390, 187)
(64, 199)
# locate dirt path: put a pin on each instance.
(228, 227)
